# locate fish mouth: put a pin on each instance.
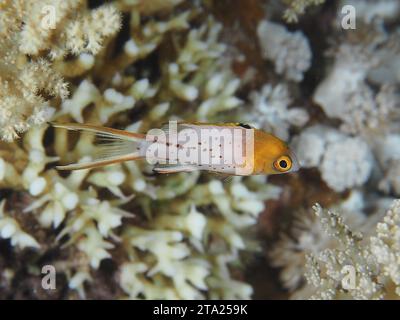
(295, 162)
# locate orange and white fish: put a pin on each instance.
(227, 148)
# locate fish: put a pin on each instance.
(230, 149)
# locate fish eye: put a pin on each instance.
(283, 164)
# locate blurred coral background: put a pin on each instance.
(322, 75)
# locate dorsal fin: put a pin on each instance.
(111, 145)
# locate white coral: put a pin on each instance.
(385, 246)
(84, 95)
(10, 229)
(31, 176)
(388, 70)
(187, 231)
(391, 179)
(106, 216)
(231, 288)
(346, 164)
(344, 161)
(169, 251)
(307, 236)
(61, 198)
(387, 150)
(115, 102)
(310, 146)
(346, 94)
(94, 246)
(28, 86)
(215, 87)
(375, 263)
(111, 178)
(270, 111)
(289, 51)
(352, 63)
(194, 223)
(133, 281)
(58, 202)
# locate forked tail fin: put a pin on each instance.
(112, 145)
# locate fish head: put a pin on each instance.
(275, 156)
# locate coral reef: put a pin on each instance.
(307, 236)
(32, 43)
(270, 111)
(123, 231)
(290, 52)
(168, 238)
(344, 162)
(375, 263)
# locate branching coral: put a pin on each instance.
(10, 229)
(60, 34)
(387, 149)
(360, 88)
(168, 249)
(374, 264)
(307, 236)
(290, 52)
(362, 92)
(184, 236)
(33, 34)
(345, 95)
(344, 162)
(217, 92)
(270, 111)
(337, 262)
(387, 72)
(348, 73)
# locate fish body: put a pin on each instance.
(229, 149)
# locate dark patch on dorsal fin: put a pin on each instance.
(246, 126)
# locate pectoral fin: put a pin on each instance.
(174, 168)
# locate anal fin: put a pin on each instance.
(98, 163)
